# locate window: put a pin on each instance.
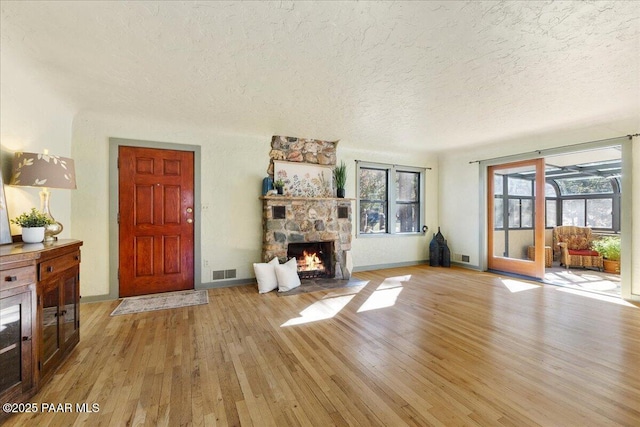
(373, 200)
(407, 202)
(591, 202)
(389, 199)
(551, 203)
(517, 197)
(580, 186)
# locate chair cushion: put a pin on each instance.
(583, 252)
(576, 242)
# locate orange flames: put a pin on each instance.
(309, 262)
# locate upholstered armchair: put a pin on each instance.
(573, 244)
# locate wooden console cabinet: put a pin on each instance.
(39, 314)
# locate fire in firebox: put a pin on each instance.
(310, 261)
(314, 259)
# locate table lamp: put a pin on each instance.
(45, 171)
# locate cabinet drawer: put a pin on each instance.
(17, 277)
(54, 266)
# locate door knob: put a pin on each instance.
(189, 210)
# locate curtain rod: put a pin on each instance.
(565, 146)
(388, 164)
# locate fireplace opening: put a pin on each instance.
(314, 259)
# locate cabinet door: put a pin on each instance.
(49, 323)
(15, 344)
(69, 314)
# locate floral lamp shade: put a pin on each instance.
(43, 170)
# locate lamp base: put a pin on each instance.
(51, 230)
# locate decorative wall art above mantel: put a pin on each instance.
(304, 179)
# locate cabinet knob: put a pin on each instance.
(11, 278)
(50, 269)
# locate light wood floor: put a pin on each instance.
(431, 347)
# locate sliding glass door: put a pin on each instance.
(516, 202)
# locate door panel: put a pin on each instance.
(156, 220)
(516, 217)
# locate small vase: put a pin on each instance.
(267, 184)
(340, 192)
(33, 234)
(280, 190)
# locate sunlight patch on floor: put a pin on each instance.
(583, 279)
(381, 299)
(517, 285)
(386, 295)
(320, 310)
(594, 295)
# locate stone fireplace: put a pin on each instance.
(315, 225)
(294, 220)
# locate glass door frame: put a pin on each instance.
(532, 268)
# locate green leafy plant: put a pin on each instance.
(608, 247)
(32, 219)
(340, 175)
(278, 183)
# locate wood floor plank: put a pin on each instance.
(414, 346)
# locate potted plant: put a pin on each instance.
(33, 224)
(279, 184)
(340, 175)
(609, 248)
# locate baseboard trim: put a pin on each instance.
(97, 298)
(227, 283)
(390, 265)
(465, 265)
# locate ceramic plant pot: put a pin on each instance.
(33, 234)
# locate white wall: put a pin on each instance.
(32, 119)
(460, 184)
(232, 170)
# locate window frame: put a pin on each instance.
(614, 196)
(506, 198)
(392, 202)
(558, 200)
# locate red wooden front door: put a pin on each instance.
(155, 220)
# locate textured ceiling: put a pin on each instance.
(423, 75)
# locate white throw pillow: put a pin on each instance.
(266, 275)
(287, 274)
